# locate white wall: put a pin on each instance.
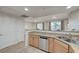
(12, 30)
(46, 18)
(65, 24)
(71, 23)
(46, 26)
(74, 20)
(30, 26)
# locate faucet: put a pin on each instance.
(70, 36)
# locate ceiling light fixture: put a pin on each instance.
(26, 9)
(69, 7)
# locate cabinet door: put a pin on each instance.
(31, 40)
(36, 41)
(60, 47)
(71, 49)
(50, 44)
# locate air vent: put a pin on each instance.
(24, 16)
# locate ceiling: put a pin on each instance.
(36, 11)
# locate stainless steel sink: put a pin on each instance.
(68, 40)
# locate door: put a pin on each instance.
(50, 44)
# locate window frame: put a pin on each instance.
(50, 25)
(42, 26)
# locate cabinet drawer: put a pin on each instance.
(62, 44)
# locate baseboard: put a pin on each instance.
(12, 43)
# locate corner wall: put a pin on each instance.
(74, 21)
(11, 30)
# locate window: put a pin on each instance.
(55, 25)
(39, 26)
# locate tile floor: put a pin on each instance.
(20, 48)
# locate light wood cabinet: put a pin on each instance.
(50, 44)
(60, 47)
(31, 39)
(71, 49)
(34, 40)
(54, 45)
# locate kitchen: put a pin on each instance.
(62, 38)
(54, 29)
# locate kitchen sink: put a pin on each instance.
(69, 40)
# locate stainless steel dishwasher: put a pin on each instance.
(43, 43)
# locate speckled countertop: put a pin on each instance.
(74, 46)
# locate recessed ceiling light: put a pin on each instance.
(69, 7)
(26, 9)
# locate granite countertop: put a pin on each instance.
(76, 33)
(74, 46)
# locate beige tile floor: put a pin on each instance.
(20, 48)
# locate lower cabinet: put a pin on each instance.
(34, 40)
(71, 49)
(60, 47)
(51, 45)
(54, 45)
(31, 39)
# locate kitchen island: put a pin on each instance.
(56, 42)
